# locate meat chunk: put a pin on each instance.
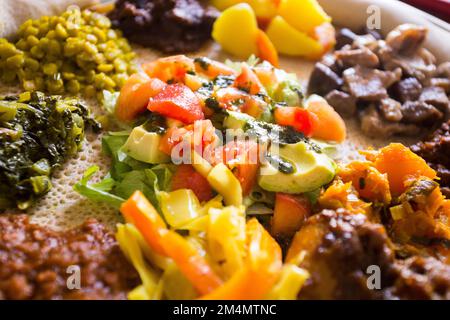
(323, 80)
(373, 125)
(420, 65)
(436, 97)
(435, 149)
(391, 110)
(370, 84)
(419, 112)
(443, 83)
(167, 25)
(344, 37)
(361, 56)
(443, 70)
(408, 89)
(339, 249)
(342, 102)
(406, 39)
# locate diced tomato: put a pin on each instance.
(169, 69)
(248, 81)
(236, 100)
(289, 214)
(185, 177)
(134, 95)
(201, 135)
(298, 118)
(243, 158)
(212, 68)
(327, 123)
(177, 101)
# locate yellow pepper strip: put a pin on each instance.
(261, 269)
(224, 182)
(130, 246)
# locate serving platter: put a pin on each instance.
(62, 208)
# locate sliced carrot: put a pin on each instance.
(260, 272)
(266, 49)
(140, 212)
(327, 123)
(289, 214)
(401, 165)
(248, 81)
(169, 69)
(134, 95)
(194, 266)
(212, 68)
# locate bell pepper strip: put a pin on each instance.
(327, 123)
(186, 177)
(262, 268)
(139, 211)
(266, 49)
(289, 214)
(298, 118)
(169, 69)
(212, 68)
(134, 95)
(191, 263)
(248, 81)
(179, 102)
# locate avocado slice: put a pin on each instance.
(144, 146)
(298, 168)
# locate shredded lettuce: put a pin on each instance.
(126, 176)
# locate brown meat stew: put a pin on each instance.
(34, 262)
(393, 85)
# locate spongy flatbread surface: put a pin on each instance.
(63, 208)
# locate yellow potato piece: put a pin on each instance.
(288, 40)
(265, 9)
(303, 15)
(236, 30)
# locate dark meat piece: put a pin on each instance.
(34, 261)
(391, 110)
(435, 149)
(376, 33)
(435, 96)
(167, 25)
(370, 84)
(361, 56)
(419, 112)
(323, 80)
(420, 65)
(342, 102)
(408, 89)
(344, 37)
(443, 83)
(443, 70)
(340, 247)
(406, 39)
(373, 125)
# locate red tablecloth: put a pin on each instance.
(439, 8)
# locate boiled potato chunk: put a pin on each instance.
(264, 9)
(288, 40)
(303, 15)
(236, 30)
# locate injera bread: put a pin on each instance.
(63, 208)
